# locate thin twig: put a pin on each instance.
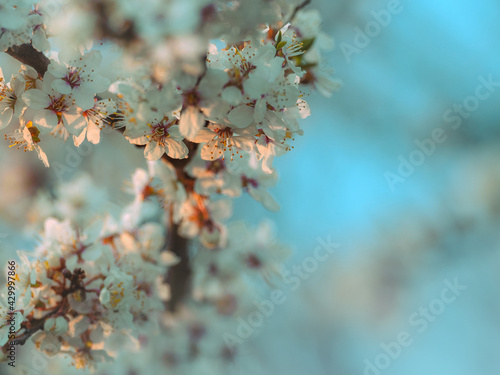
(28, 55)
(35, 327)
(296, 10)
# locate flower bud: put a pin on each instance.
(66, 273)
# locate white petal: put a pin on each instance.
(5, 117)
(255, 86)
(67, 54)
(275, 69)
(93, 133)
(19, 86)
(244, 142)
(265, 198)
(99, 84)
(210, 152)
(216, 110)
(92, 59)
(176, 150)
(139, 141)
(46, 119)
(78, 140)
(232, 95)
(39, 40)
(56, 69)
(192, 120)
(61, 86)
(168, 258)
(204, 135)
(260, 110)
(175, 132)
(153, 151)
(74, 123)
(83, 98)
(241, 116)
(42, 156)
(137, 131)
(36, 99)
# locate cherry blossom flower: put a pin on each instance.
(172, 193)
(260, 251)
(11, 104)
(162, 137)
(91, 122)
(204, 218)
(77, 75)
(218, 141)
(53, 111)
(271, 90)
(267, 148)
(289, 46)
(18, 23)
(211, 176)
(27, 136)
(199, 99)
(256, 188)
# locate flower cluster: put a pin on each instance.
(212, 92)
(244, 98)
(93, 279)
(84, 284)
(22, 22)
(202, 337)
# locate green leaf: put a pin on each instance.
(308, 66)
(280, 45)
(279, 38)
(307, 44)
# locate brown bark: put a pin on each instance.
(179, 275)
(297, 9)
(28, 55)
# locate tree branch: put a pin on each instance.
(296, 10)
(179, 276)
(28, 55)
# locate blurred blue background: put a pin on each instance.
(396, 247)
